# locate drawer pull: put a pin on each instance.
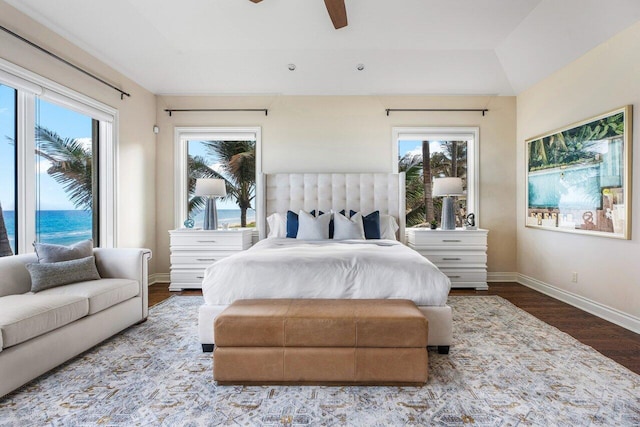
(445, 240)
(206, 241)
(206, 259)
(454, 277)
(199, 277)
(451, 259)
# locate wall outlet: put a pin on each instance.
(574, 277)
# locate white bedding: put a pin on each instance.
(352, 269)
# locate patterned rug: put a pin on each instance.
(506, 368)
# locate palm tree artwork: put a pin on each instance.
(236, 165)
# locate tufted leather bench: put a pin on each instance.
(321, 341)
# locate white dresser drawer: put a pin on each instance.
(217, 241)
(467, 275)
(465, 259)
(182, 258)
(186, 279)
(426, 239)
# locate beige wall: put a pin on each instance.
(136, 157)
(343, 133)
(608, 269)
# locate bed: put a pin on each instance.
(362, 269)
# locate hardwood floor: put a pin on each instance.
(615, 342)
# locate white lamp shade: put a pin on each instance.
(447, 187)
(211, 187)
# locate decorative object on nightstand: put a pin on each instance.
(447, 188)
(211, 188)
(433, 224)
(460, 254)
(189, 223)
(192, 251)
(470, 222)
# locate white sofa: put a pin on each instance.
(40, 331)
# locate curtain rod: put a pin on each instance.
(64, 61)
(482, 110)
(189, 110)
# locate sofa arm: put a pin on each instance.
(125, 263)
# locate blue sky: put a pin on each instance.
(66, 123)
(405, 146)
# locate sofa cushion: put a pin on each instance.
(101, 294)
(50, 275)
(26, 316)
(48, 252)
(14, 278)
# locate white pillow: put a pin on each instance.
(277, 225)
(345, 228)
(388, 227)
(312, 228)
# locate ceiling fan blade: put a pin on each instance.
(337, 12)
(256, 1)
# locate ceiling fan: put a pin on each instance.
(337, 12)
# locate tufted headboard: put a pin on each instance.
(365, 192)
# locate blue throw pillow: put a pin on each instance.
(292, 224)
(371, 224)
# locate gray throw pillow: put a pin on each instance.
(50, 275)
(48, 252)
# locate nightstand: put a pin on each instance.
(460, 254)
(192, 251)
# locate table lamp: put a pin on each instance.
(211, 188)
(446, 188)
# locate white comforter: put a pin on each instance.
(290, 268)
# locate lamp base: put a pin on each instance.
(448, 214)
(210, 215)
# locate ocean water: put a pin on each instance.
(58, 227)
(226, 216)
(68, 227)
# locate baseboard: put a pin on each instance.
(502, 276)
(159, 278)
(610, 314)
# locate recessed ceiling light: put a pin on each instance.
(360, 67)
(291, 67)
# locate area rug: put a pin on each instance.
(507, 368)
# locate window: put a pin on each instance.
(57, 163)
(232, 154)
(452, 152)
(7, 169)
(65, 179)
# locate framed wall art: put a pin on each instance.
(579, 177)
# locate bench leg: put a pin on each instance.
(207, 348)
(442, 349)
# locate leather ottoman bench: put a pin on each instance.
(321, 341)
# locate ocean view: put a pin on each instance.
(228, 216)
(68, 227)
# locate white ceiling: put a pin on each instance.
(407, 46)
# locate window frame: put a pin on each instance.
(448, 133)
(181, 137)
(29, 86)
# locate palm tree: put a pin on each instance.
(71, 165)
(427, 182)
(238, 163)
(5, 247)
(411, 165)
